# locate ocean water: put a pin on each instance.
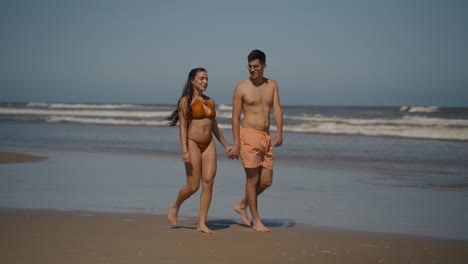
(407, 122)
(402, 137)
(389, 169)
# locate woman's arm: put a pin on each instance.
(183, 130)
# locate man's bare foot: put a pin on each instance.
(204, 229)
(260, 228)
(243, 213)
(172, 216)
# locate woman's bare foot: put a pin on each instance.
(243, 213)
(204, 229)
(172, 216)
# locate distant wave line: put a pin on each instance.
(221, 107)
(406, 120)
(106, 121)
(326, 128)
(452, 133)
(224, 107)
(52, 112)
(446, 133)
(84, 106)
(419, 109)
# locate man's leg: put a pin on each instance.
(253, 182)
(266, 179)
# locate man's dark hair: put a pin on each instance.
(257, 54)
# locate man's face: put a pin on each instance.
(256, 69)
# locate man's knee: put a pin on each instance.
(253, 180)
(253, 175)
(266, 183)
(266, 178)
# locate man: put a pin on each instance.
(255, 97)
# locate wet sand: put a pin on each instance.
(48, 236)
(41, 236)
(13, 157)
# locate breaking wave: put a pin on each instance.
(332, 121)
(420, 109)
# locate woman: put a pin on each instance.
(197, 116)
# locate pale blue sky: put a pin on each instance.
(375, 52)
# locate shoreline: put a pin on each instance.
(330, 195)
(42, 236)
(15, 157)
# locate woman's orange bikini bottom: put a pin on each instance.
(202, 145)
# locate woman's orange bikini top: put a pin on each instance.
(198, 109)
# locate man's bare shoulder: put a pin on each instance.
(243, 84)
(272, 82)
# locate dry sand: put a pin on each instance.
(39, 236)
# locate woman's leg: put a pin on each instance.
(209, 166)
(193, 173)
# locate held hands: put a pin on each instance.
(234, 152)
(229, 151)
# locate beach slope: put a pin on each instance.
(13, 157)
(41, 236)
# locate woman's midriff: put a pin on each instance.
(201, 130)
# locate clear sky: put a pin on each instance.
(327, 52)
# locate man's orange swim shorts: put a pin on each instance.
(256, 148)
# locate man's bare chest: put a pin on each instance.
(258, 97)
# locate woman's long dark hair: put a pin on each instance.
(188, 91)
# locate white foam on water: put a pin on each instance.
(433, 132)
(408, 125)
(106, 121)
(224, 114)
(404, 108)
(84, 106)
(406, 120)
(419, 109)
(224, 107)
(110, 113)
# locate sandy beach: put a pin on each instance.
(39, 236)
(51, 236)
(13, 157)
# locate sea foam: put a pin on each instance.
(106, 121)
(419, 109)
(114, 113)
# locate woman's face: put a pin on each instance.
(200, 82)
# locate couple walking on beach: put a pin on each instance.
(196, 112)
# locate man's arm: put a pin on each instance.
(278, 115)
(236, 114)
